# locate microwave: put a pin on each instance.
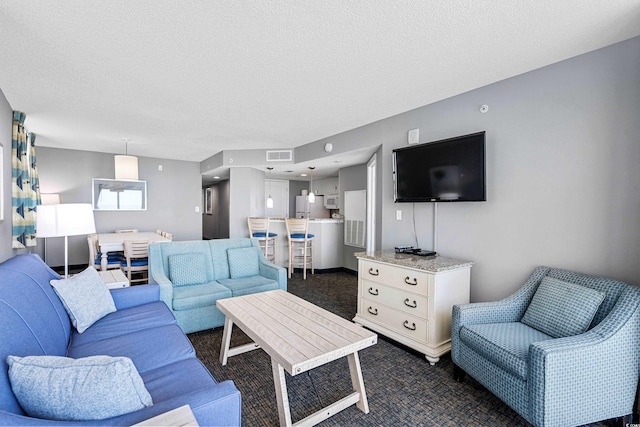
(332, 201)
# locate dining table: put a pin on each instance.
(113, 242)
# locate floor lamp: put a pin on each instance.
(64, 220)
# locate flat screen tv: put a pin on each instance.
(450, 170)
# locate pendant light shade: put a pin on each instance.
(312, 196)
(126, 166)
(270, 199)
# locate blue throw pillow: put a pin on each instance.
(243, 262)
(562, 309)
(187, 269)
(64, 389)
(85, 297)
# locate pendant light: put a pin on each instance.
(312, 197)
(270, 199)
(126, 166)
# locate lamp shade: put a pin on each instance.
(50, 198)
(69, 219)
(126, 167)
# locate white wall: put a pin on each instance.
(563, 182)
(246, 198)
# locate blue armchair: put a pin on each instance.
(563, 350)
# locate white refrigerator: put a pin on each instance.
(304, 209)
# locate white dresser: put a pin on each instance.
(409, 298)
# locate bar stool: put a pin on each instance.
(302, 242)
(259, 229)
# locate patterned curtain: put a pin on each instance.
(25, 184)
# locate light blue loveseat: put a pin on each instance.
(34, 322)
(573, 379)
(193, 275)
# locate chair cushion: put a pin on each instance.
(562, 309)
(301, 236)
(243, 262)
(138, 262)
(85, 297)
(262, 234)
(249, 285)
(504, 344)
(93, 388)
(187, 269)
(195, 296)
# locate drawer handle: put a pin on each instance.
(406, 325)
(373, 292)
(408, 282)
(408, 303)
(374, 272)
(373, 311)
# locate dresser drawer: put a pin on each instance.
(398, 277)
(407, 302)
(404, 324)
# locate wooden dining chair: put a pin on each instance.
(95, 257)
(136, 262)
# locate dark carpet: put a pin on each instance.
(402, 388)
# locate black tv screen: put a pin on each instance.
(450, 170)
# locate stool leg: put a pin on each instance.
(290, 261)
(312, 269)
(304, 262)
(274, 250)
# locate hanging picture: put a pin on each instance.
(208, 202)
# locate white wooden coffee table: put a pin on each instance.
(298, 336)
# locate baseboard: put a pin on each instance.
(328, 270)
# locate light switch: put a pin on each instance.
(197, 209)
(399, 215)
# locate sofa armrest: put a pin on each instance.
(135, 295)
(274, 272)
(215, 405)
(600, 365)
(157, 276)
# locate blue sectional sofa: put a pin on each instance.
(193, 275)
(34, 322)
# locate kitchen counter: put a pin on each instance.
(316, 220)
(328, 241)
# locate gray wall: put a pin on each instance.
(173, 195)
(223, 213)
(6, 123)
(563, 182)
(216, 225)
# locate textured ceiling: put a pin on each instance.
(187, 79)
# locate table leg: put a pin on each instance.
(226, 340)
(280, 382)
(357, 381)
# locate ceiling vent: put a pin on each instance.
(279, 155)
